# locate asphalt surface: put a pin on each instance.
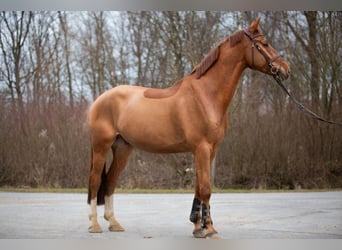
(236, 216)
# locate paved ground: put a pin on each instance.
(236, 216)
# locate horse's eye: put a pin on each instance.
(266, 44)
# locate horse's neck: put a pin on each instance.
(219, 83)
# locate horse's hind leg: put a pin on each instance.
(95, 179)
(101, 142)
(121, 151)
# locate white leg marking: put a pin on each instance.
(109, 203)
(114, 226)
(109, 211)
(93, 211)
(94, 225)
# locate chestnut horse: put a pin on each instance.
(190, 116)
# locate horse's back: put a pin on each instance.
(155, 93)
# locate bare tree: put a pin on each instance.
(62, 16)
(97, 58)
(15, 27)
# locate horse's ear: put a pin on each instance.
(253, 27)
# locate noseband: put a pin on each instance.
(274, 70)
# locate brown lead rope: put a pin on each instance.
(301, 106)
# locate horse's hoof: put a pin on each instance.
(200, 233)
(95, 229)
(116, 228)
(213, 236)
(204, 233)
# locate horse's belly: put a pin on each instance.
(153, 128)
(155, 140)
(153, 147)
(158, 137)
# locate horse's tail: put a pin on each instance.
(91, 166)
(102, 189)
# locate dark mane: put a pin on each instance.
(208, 61)
(211, 58)
(236, 37)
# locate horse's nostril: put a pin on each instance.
(283, 74)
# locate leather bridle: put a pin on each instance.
(274, 70)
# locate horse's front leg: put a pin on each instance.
(200, 212)
(195, 215)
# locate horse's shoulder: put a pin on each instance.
(162, 93)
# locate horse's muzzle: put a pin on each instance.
(281, 73)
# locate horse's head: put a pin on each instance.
(260, 55)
